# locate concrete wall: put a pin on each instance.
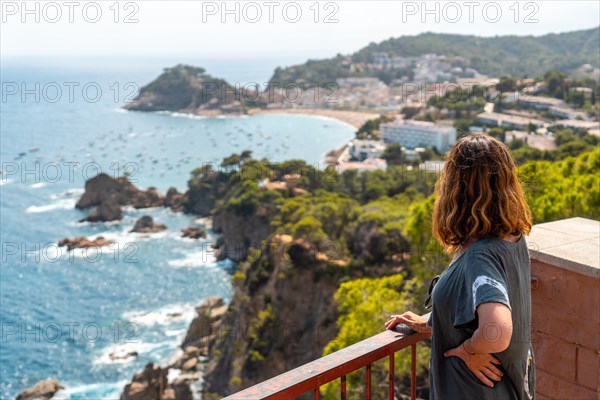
(565, 333)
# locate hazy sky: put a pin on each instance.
(197, 27)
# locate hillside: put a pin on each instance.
(495, 56)
(186, 88)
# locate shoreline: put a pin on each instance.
(354, 119)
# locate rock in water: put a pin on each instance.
(108, 195)
(43, 390)
(152, 384)
(146, 225)
(82, 242)
(193, 233)
(175, 200)
(146, 385)
(108, 210)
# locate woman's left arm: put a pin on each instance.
(494, 331)
(493, 335)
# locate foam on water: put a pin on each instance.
(166, 315)
(64, 204)
(96, 391)
(195, 259)
(123, 353)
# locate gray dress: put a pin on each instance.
(491, 270)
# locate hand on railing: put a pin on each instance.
(413, 321)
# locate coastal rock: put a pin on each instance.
(123, 355)
(108, 195)
(146, 385)
(43, 390)
(211, 310)
(82, 242)
(152, 382)
(175, 200)
(146, 224)
(108, 210)
(193, 233)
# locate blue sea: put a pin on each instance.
(75, 316)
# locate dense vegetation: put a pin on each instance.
(495, 56)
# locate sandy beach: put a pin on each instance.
(354, 118)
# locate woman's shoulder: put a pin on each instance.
(490, 243)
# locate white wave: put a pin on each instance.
(38, 185)
(64, 204)
(173, 374)
(122, 353)
(124, 236)
(70, 193)
(201, 258)
(167, 315)
(120, 110)
(175, 332)
(87, 223)
(185, 115)
(100, 391)
(4, 181)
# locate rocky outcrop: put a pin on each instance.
(273, 324)
(239, 232)
(43, 390)
(82, 242)
(109, 194)
(106, 196)
(174, 200)
(152, 383)
(109, 209)
(146, 224)
(120, 190)
(189, 89)
(193, 233)
(202, 329)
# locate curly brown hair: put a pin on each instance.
(478, 194)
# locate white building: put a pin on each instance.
(363, 149)
(370, 164)
(508, 120)
(567, 113)
(540, 102)
(412, 134)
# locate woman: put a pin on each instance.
(481, 305)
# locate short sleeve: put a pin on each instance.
(484, 282)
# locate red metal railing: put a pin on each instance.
(309, 377)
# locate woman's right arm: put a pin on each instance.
(415, 322)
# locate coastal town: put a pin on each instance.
(405, 112)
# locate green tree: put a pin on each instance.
(393, 154)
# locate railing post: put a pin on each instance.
(413, 372)
(368, 397)
(391, 377)
(343, 388)
(316, 394)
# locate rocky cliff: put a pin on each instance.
(273, 323)
(240, 232)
